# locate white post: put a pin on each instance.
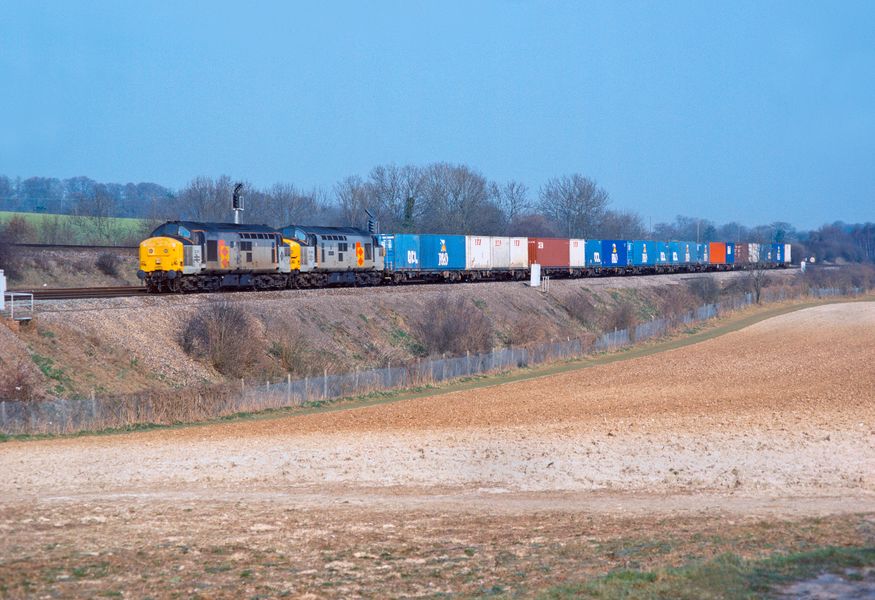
(2, 290)
(288, 388)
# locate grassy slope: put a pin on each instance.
(82, 229)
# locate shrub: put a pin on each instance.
(454, 327)
(705, 288)
(525, 331)
(16, 382)
(676, 300)
(108, 264)
(13, 232)
(622, 317)
(295, 356)
(224, 335)
(18, 231)
(580, 308)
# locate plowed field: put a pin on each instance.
(517, 486)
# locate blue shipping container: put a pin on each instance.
(663, 253)
(592, 250)
(402, 251)
(442, 252)
(730, 253)
(777, 253)
(702, 254)
(643, 253)
(687, 252)
(675, 253)
(614, 253)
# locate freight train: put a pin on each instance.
(187, 256)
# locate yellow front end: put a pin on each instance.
(294, 254)
(161, 254)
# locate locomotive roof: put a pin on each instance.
(217, 227)
(319, 230)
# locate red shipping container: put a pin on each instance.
(549, 252)
(717, 253)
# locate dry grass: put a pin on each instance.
(454, 326)
(705, 288)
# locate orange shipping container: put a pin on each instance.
(717, 253)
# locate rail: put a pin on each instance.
(75, 246)
(77, 293)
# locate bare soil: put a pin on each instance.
(758, 441)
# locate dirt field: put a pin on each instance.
(753, 442)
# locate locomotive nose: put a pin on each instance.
(160, 254)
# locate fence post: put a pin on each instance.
(3, 413)
(325, 383)
(355, 391)
(93, 408)
(306, 397)
(242, 389)
(288, 389)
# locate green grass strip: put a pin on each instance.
(727, 577)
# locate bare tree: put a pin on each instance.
(285, 204)
(574, 202)
(98, 207)
(353, 198)
(458, 200)
(625, 225)
(395, 196)
(205, 199)
(513, 200)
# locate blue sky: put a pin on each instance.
(747, 111)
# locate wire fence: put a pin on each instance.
(97, 413)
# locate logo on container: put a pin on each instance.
(411, 257)
(443, 257)
(643, 252)
(614, 258)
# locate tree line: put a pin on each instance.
(433, 198)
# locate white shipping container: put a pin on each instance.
(576, 254)
(787, 258)
(753, 253)
(500, 252)
(519, 253)
(478, 252)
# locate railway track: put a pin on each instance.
(76, 293)
(72, 247)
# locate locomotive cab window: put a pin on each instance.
(368, 251)
(212, 250)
